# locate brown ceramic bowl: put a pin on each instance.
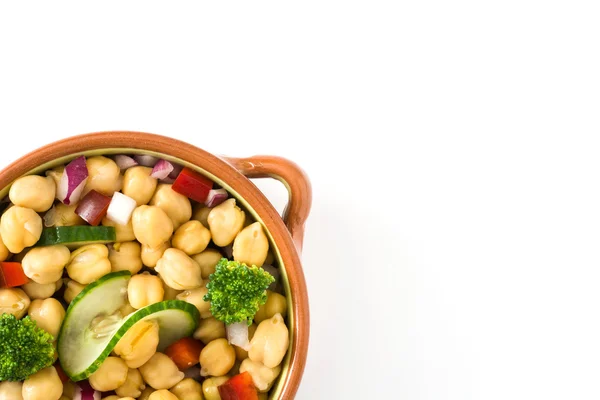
(231, 173)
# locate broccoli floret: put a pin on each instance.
(25, 348)
(236, 291)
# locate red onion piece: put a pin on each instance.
(215, 197)
(83, 391)
(124, 162)
(161, 169)
(146, 160)
(93, 207)
(72, 181)
(173, 175)
(237, 334)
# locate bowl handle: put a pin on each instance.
(294, 179)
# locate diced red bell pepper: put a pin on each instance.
(240, 387)
(93, 207)
(185, 352)
(192, 185)
(12, 275)
(61, 374)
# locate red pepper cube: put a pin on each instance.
(12, 275)
(240, 387)
(93, 207)
(185, 352)
(192, 185)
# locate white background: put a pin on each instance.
(453, 250)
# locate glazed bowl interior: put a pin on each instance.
(278, 386)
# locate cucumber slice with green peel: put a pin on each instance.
(93, 325)
(77, 236)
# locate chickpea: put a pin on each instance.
(196, 297)
(4, 253)
(41, 290)
(63, 215)
(56, 174)
(133, 386)
(139, 343)
(146, 393)
(151, 255)
(210, 329)
(104, 176)
(270, 342)
(48, 314)
(14, 301)
(43, 385)
(69, 389)
(151, 225)
(145, 289)
(126, 256)
(210, 387)
(251, 245)
(160, 372)
(11, 390)
(72, 289)
(113, 397)
(263, 377)
(217, 358)
(176, 205)
(240, 353)
(89, 263)
(111, 374)
(225, 221)
(208, 260)
(126, 309)
(276, 304)
(200, 213)
(187, 389)
(191, 237)
(139, 185)
(170, 293)
(33, 191)
(124, 233)
(270, 258)
(163, 395)
(20, 227)
(178, 270)
(45, 264)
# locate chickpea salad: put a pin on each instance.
(131, 277)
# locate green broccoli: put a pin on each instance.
(25, 348)
(236, 291)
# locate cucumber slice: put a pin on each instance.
(77, 236)
(84, 342)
